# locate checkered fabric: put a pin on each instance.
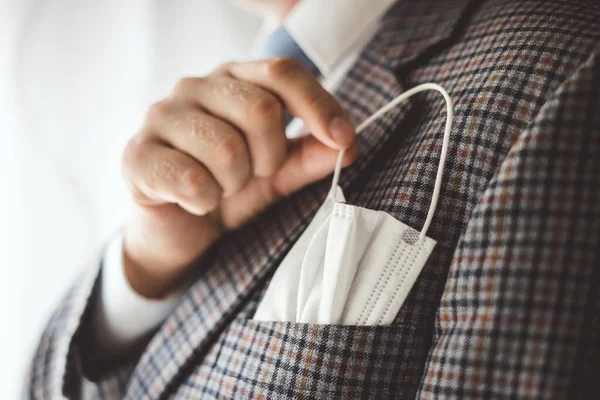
(508, 304)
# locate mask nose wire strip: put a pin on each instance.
(447, 129)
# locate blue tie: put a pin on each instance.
(281, 44)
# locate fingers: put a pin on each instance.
(302, 95)
(159, 175)
(216, 134)
(214, 143)
(251, 109)
(309, 162)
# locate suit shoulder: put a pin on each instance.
(544, 40)
(570, 26)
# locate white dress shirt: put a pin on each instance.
(332, 34)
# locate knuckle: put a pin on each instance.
(195, 183)
(223, 68)
(230, 150)
(265, 108)
(132, 154)
(159, 110)
(281, 67)
(184, 85)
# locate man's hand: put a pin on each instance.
(214, 154)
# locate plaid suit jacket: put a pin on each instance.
(507, 305)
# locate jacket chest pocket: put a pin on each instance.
(292, 360)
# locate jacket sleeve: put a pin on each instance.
(520, 313)
(57, 370)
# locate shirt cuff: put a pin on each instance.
(121, 317)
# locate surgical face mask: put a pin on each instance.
(352, 265)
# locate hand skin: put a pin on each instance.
(213, 155)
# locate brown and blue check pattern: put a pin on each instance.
(508, 304)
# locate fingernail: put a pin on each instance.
(342, 131)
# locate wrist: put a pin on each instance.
(146, 278)
(158, 248)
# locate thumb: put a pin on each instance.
(308, 161)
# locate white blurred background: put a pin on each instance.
(75, 79)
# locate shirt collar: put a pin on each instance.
(327, 31)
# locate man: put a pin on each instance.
(506, 305)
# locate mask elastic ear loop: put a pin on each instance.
(440, 172)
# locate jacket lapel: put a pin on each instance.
(417, 29)
(248, 257)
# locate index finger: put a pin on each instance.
(302, 95)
